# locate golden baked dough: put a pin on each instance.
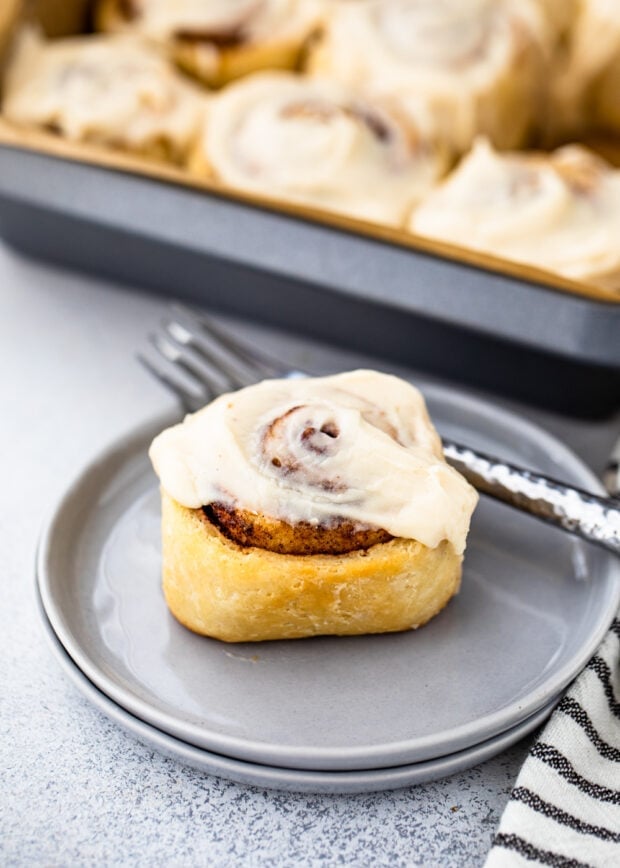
(109, 90)
(218, 40)
(560, 14)
(246, 594)
(317, 143)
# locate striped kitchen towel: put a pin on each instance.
(564, 810)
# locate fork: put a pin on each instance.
(197, 360)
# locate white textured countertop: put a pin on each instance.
(76, 789)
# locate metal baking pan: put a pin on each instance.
(519, 337)
(463, 315)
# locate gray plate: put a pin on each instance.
(292, 780)
(534, 605)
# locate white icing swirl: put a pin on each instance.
(559, 212)
(108, 89)
(473, 66)
(442, 33)
(316, 143)
(358, 446)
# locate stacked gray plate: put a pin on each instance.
(328, 714)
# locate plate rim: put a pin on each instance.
(307, 757)
(240, 771)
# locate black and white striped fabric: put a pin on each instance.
(565, 808)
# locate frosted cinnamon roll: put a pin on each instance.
(316, 143)
(304, 507)
(559, 211)
(475, 66)
(218, 40)
(112, 91)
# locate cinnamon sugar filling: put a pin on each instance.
(248, 529)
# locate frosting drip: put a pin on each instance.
(358, 446)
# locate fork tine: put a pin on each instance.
(191, 401)
(198, 325)
(193, 360)
(190, 347)
(207, 361)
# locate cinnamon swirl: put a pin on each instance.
(474, 66)
(218, 40)
(316, 143)
(559, 211)
(309, 507)
(114, 91)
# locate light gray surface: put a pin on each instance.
(332, 703)
(75, 789)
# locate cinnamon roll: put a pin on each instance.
(475, 66)
(305, 507)
(559, 212)
(316, 143)
(113, 91)
(218, 40)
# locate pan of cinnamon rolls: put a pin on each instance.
(450, 163)
(373, 109)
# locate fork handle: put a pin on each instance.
(593, 518)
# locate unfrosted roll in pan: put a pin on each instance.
(113, 91)
(316, 143)
(559, 211)
(218, 40)
(473, 67)
(307, 507)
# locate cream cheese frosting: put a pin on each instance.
(358, 446)
(318, 143)
(473, 66)
(560, 212)
(108, 89)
